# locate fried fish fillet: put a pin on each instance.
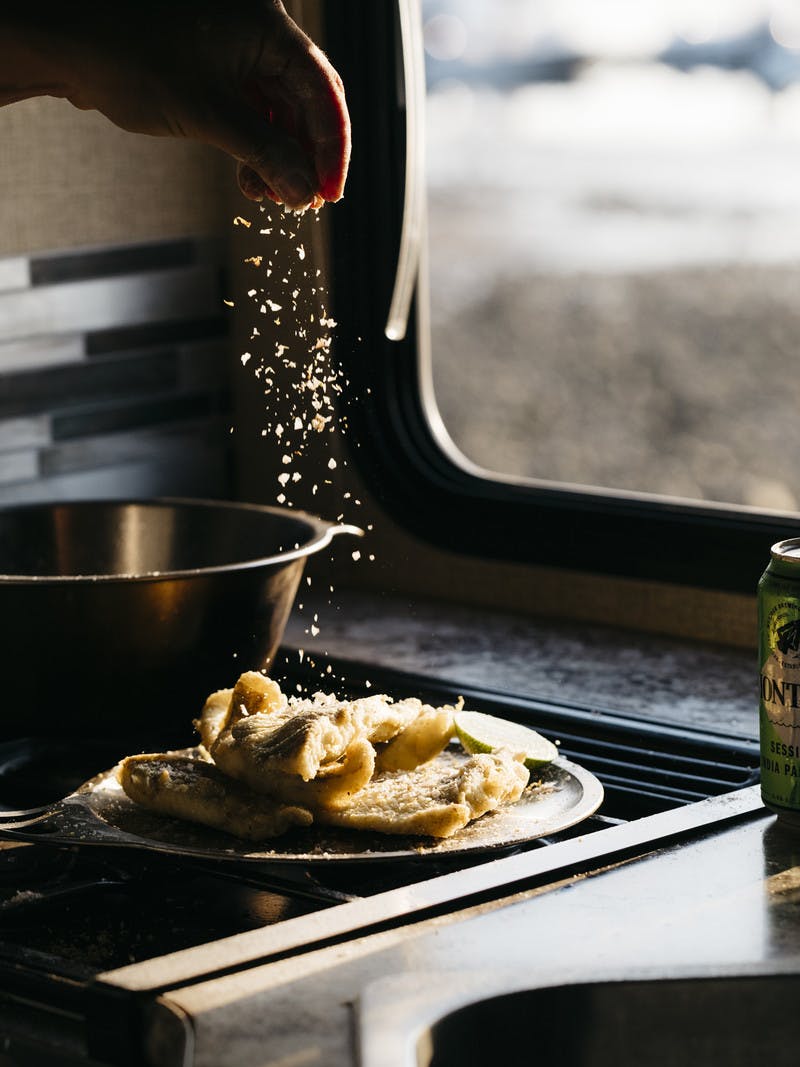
(436, 799)
(424, 737)
(407, 731)
(425, 730)
(296, 740)
(311, 754)
(197, 791)
(381, 717)
(214, 716)
(253, 694)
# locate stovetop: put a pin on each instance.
(70, 914)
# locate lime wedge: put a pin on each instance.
(478, 732)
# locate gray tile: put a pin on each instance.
(18, 466)
(159, 296)
(166, 445)
(126, 338)
(14, 273)
(121, 414)
(110, 260)
(29, 432)
(96, 383)
(36, 353)
(202, 475)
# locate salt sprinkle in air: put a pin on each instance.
(299, 377)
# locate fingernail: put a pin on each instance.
(294, 188)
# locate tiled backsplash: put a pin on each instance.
(114, 373)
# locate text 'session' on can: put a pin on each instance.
(779, 658)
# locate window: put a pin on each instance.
(614, 242)
(602, 422)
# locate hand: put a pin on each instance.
(241, 76)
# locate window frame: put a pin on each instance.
(399, 452)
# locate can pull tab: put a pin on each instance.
(414, 208)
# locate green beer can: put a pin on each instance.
(779, 658)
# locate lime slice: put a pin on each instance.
(478, 732)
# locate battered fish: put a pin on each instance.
(315, 755)
(213, 717)
(412, 732)
(436, 799)
(197, 791)
(424, 737)
(381, 717)
(253, 694)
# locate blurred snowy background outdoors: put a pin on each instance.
(614, 200)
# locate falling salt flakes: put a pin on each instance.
(245, 357)
(356, 555)
(229, 303)
(239, 221)
(313, 384)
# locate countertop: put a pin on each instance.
(725, 901)
(711, 687)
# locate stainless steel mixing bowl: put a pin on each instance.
(120, 617)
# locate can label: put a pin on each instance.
(780, 703)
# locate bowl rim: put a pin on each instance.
(321, 533)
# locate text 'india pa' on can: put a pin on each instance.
(779, 657)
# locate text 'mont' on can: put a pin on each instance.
(779, 659)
